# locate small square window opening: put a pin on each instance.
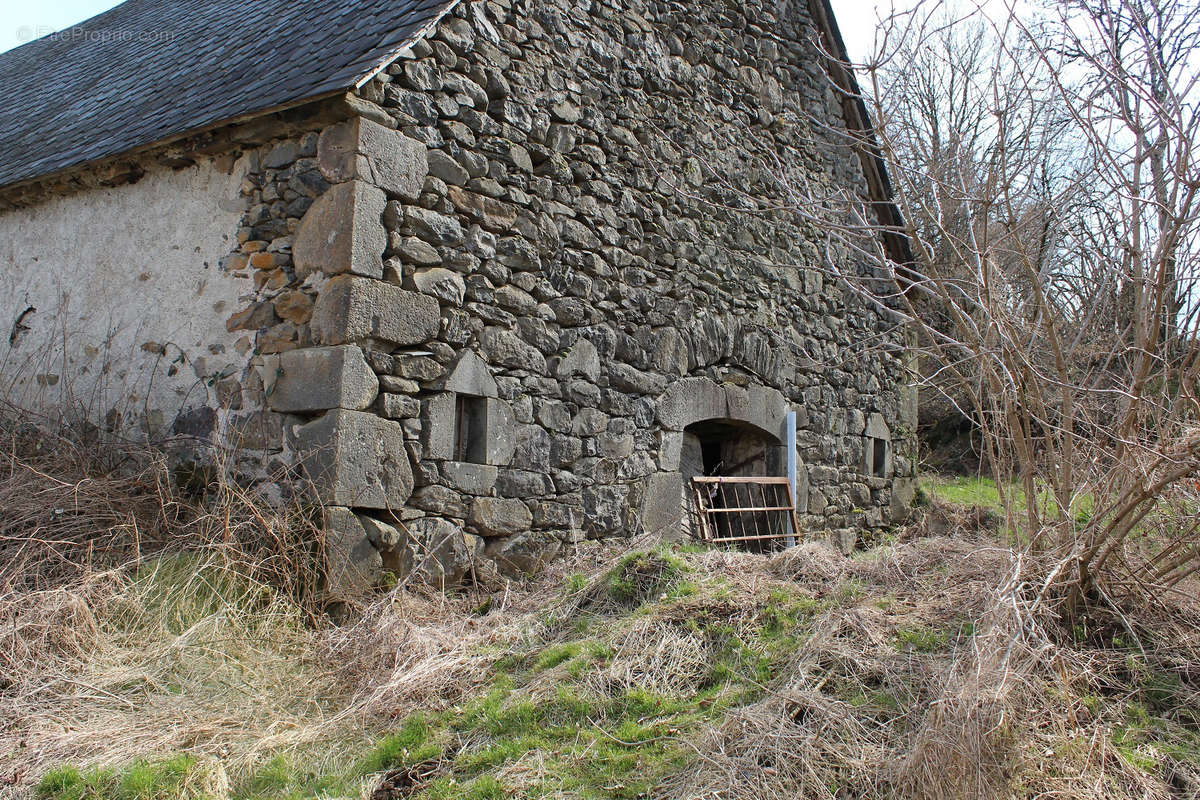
(470, 429)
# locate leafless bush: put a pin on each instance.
(1047, 175)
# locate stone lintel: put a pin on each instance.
(472, 376)
(877, 427)
(694, 400)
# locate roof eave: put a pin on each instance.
(858, 120)
(135, 153)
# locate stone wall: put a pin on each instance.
(594, 254)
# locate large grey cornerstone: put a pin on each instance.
(485, 278)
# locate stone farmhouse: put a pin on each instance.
(488, 276)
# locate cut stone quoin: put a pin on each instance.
(319, 378)
(356, 459)
(353, 565)
(343, 232)
(362, 150)
(350, 308)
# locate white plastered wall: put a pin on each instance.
(130, 301)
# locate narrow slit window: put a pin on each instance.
(470, 430)
(879, 456)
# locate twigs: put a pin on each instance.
(1047, 172)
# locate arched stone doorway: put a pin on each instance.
(726, 448)
(711, 429)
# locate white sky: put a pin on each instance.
(857, 21)
(23, 20)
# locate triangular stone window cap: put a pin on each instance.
(471, 376)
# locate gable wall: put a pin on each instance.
(602, 220)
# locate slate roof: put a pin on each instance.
(149, 70)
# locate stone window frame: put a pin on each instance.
(877, 438)
(471, 377)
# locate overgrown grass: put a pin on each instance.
(662, 673)
(577, 712)
(809, 667)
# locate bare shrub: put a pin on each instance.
(1044, 166)
(75, 500)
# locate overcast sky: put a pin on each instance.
(22, 20)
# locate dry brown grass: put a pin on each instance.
(839, 720)
(1014, 709)
(149, 622)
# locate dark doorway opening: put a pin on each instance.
(879, 455)
(729, 448)
(710, 455)
(732, 449)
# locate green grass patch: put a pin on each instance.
(980, 492)
(920, 639)
(410, 745)
(482, 788)
(970, 491)
(640, 577)
(164, 779)
(556, 654)
(69, 783)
